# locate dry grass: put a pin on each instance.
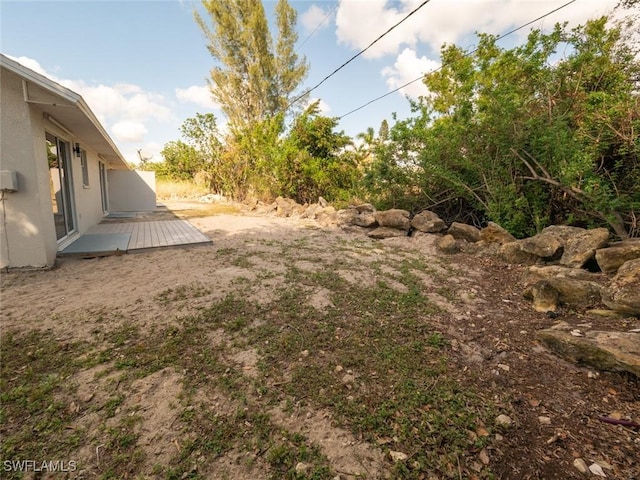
(173, 189)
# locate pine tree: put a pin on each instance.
(252, 81)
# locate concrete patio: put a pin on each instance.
(127, 236)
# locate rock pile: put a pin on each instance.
(567, 266)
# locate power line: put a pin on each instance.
(320, 24)
(499, 37)
(359, 53)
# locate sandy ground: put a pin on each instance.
(492, 325)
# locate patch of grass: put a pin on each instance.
(34, 387)
(181, 293)
(206, 210)
(372, 358)
(170, 189)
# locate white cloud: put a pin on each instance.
(200, 95)
(30, 63)
(129, 131)
(407, 68)
(149, 150)
(314, 19)
(128, 107)
(358, 23)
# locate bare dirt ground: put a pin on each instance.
(263, 355)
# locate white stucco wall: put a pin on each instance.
(28, 235)
(87, 199)
(131, 190)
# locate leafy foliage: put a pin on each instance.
(521, 137)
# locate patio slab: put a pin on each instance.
(113, 238)
(99, 244)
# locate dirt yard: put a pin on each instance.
(285, 350)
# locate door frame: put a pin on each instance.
(65, 201)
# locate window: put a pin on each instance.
(85, 168)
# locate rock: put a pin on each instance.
(596, 470)
(286, 207)
(581, 465)
(544, 420)
(347, 216)
(322, 202)
(327, 217)
(386, 232)
(607, 351)
(447, 244)
(575, 287)
(462, 231)
(543, 245)
(513, 252)
(581, 248)
(365, 208)
(302, 467)
(544, 296)
(563, 232)
(611, 258)
(394, 218)
(398, 456)
(311, 211)
(365, 219)
(503, 421)
(428, 222)
(494, 233)
(623, 293)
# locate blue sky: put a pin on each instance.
(142, 66)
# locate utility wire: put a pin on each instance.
(320, 24)
(499, 37)
(359, 53)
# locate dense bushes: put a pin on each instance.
(523, 137)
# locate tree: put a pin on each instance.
(318, 164)
(253, 81)
(523, 138)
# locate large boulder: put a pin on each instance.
(447, 244)
(386, 232)
(545, 245)
(347, 216)
(575, 287)
(513, 252)
(428, 222)
(327, 216)
(394, 218)
(611, 258)
(608, 351)
(365, 219)
(286, 207)
(494, 233)
(581, 248)
(563, 232)
(623, 293)
(365, 208)
(462, 231)
(544, 296)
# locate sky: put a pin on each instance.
(142, 66)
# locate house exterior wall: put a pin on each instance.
(28, 235)
(88, 201)
(131, 190)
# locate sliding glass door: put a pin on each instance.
(61, 182)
